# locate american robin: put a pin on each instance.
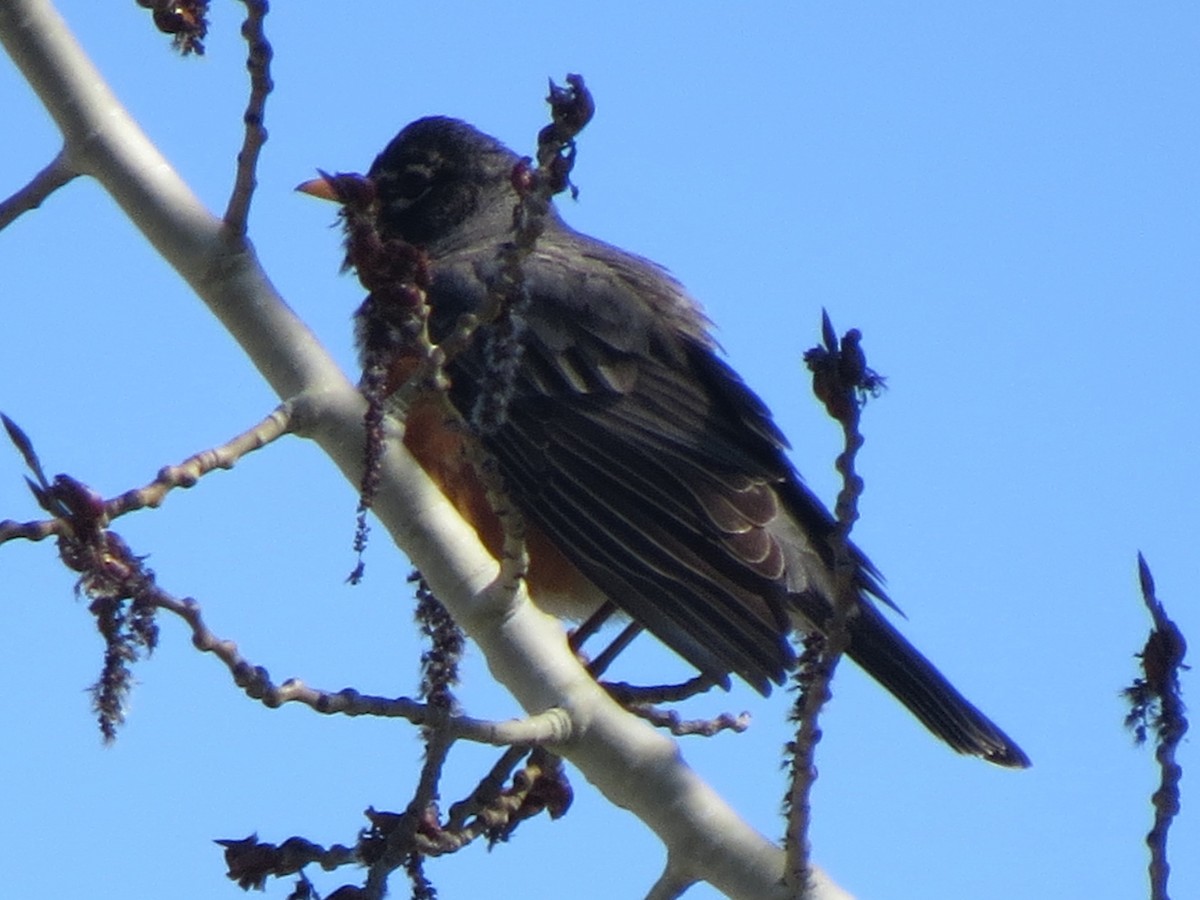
(647, 472)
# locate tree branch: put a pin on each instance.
(258, 64)
(629, 762)
(42, 185)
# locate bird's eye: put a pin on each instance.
(412, 183)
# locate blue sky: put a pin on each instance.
(1003, 198)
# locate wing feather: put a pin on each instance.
(617, 446)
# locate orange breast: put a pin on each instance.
(436, 439)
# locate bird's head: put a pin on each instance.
(437, 179)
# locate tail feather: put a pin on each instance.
(887, 656)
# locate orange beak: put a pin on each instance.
(349, 189)
(320, 187)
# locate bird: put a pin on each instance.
(647, 472)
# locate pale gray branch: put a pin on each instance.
(41, 186)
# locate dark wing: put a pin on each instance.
(661, 476)
(644, 457)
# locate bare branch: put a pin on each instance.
(258, 63)
(670, 885)
(251, 862)
(102, 140)
(514, 558)
(195, 467)
(37, 530)
(487, 790)
(842, 381)
(551, 727)
(43, 184)
(1156, 704)
(571, 109)
(627, 760)
(678, 726)
(184, 475)
(399, 845)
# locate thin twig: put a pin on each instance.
(1156, 705)
(41, 186)
(550, 727)
(258, 63)
(514, 557)
(488, 788)
(503, 324)
(251, 862)
(420, 816)
(37, 530)
(680, 727)
(842, 381)
(187, 473)
(112, 574)
(184, 475)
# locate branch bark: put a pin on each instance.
(631, 763)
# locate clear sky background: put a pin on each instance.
(1003, 198)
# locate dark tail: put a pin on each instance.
(887, 656)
